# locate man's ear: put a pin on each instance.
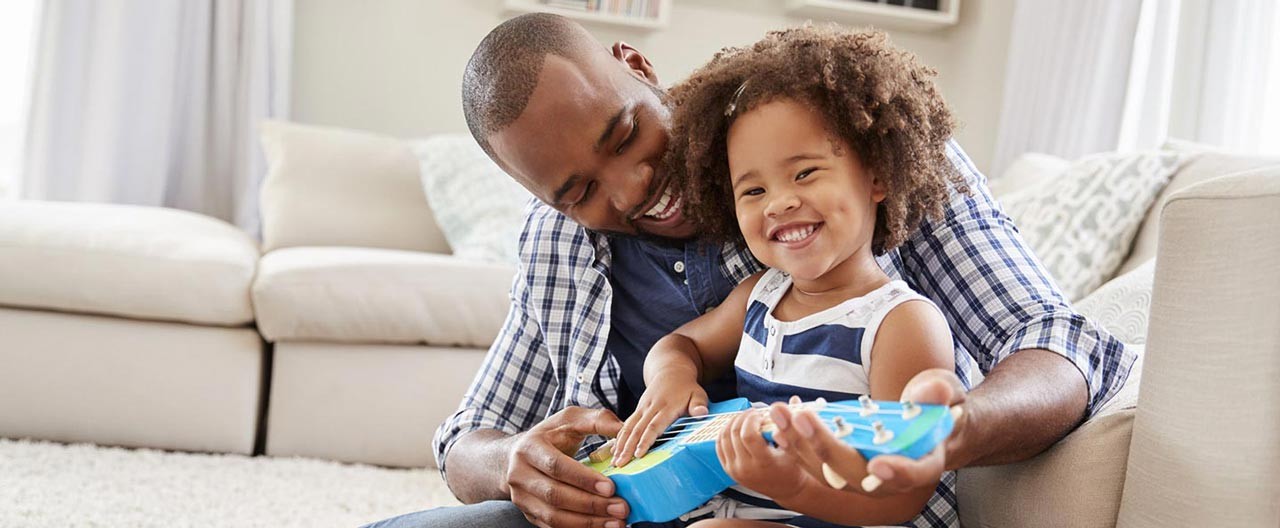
(635, 61)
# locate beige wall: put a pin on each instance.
(395, 66)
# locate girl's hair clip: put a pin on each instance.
(733, 103)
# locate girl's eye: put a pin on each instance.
(635, 128)
(754, 191)
(805, 173)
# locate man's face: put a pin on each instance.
(591, 142)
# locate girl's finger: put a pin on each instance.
(841, 464)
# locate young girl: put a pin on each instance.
(821, 149)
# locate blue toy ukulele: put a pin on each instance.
(682, 471)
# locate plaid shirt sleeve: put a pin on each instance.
(514, 388)
(997, 296)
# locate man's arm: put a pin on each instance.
(498, 444)
(1047, 367)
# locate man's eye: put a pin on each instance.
(805, 173)
(635, 127)
(586, 193)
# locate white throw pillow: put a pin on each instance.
(1028, 171)
(478, 206)
(1122, 306)
(1082, 223)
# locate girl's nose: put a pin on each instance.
(782, 202)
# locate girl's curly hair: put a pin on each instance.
(879, 99)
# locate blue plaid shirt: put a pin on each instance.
(972, 263)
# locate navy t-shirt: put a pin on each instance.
(656, 289)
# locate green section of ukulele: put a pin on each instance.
(647, 461)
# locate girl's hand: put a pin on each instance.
(751, 461)
(802, 435)
(659, 406)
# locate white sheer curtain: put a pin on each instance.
(17, 22)
(1098, 75)
(156, 102)
(1066, 77)
(1229, 78)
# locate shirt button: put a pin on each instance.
(582, 379)
(679, 267)
(773, 331)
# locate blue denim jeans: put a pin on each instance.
(490, 514)
(498, 514)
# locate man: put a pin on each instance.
(608, 266)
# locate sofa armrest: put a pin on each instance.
(1205, 446)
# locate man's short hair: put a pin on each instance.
(503, 70)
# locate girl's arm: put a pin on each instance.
(913, 337)
(698, 352)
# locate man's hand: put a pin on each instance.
(659, 406)
(830, 460)
(553, 489)
(897, 474)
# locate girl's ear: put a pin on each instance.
(877, 190)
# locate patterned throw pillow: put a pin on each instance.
(1081, 224)
(1123, 304)
(479, 208)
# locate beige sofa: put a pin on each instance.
(127, 326)
(1080, 480)
(374, 331)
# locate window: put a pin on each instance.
(18, 20)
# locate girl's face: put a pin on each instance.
(803, 200)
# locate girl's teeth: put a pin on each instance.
(794, 235)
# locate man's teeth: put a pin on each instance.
(796, 234)
(666, 206)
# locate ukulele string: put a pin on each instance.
(830, 422)
(693, 422)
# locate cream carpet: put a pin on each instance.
(47, 484)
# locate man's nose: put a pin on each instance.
(629, 186)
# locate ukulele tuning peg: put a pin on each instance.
(603, 453)
(869, 406)
(819, 404)
(910, 409)
(842, 428)
(882, 435)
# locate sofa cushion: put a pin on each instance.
(1082, 224)
(1123, 304)
(479, 207)
(1026, 172)
(1076, 482)
(125, 260)
(335, 187)
(363, 295)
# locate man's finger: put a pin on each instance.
(596, 422)
(564, 468)
(560, 496)
(542, 513)
(935, 386)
